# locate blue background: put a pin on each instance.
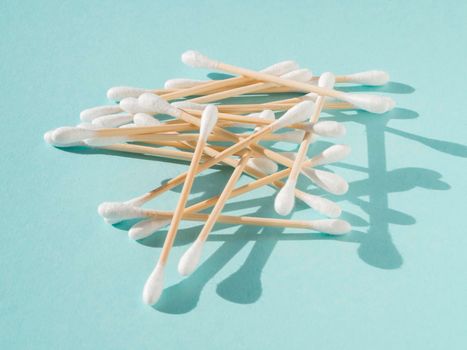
(69, 281)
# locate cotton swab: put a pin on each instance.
(330, 226)
(285, 199)
(370, 103)
(153, 287)
(371, 77)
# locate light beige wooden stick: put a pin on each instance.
(285, 199)
(154, 284)
(331, 226)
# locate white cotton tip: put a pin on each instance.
(155, 104)
(329, 128)
(285, 198)
(147, 227)
(131, 105)
(267, 114)
(48, 137)
(89, 114)
(263, 165)
(190, 259)
(130, 125)
(105, 141)
(118, 93)
(312, 96)
(328, 181)
(197, 60)
(292, 136)
(208, 122)
(281, 68)
(302, 75)
(144, 119)
(154, 284)
(370, 103)
(321, 205)
(331, 226)
(332, 154)
(297, 114)
(189, 105)
(120, 211)
(327, 80)
(112, 120)
(180, 83)
(69, 135)
(371, 77)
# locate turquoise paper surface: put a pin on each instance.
(398, 281)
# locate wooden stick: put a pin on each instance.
(236, 220)
(153, 151)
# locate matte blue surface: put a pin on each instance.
(69, 281)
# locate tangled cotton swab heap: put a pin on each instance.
(195, 130)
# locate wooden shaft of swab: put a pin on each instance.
(216, 211)
(109, 132)
(159, 152)
(305, 87)
(212, 85)
(236, 220)
(178, 212)
(232, 92)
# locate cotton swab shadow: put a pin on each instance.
(391, 87)
(448, 147)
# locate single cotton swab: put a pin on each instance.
(154, 284)
(370, 103)
(285, 199)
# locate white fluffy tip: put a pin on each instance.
(145, 119)
(331, 226)
(147, 227)
(371, 77)
(67, 135)
(281, 68)
(285, 199)
(297, 114)
(332, 154)
(189, 105)
(302, 75)
(197, 60)
(208, 122)
(89, 114)
(328, 181)
(321, 205)
(371, 103)
(120, 211)
(327, 80)
(263, 165)
(180, 83)
(154, 104)
(190, 259)
(154, 285)
(329, 128)
(118, 93)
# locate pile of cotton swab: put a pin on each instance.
(206, 134)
